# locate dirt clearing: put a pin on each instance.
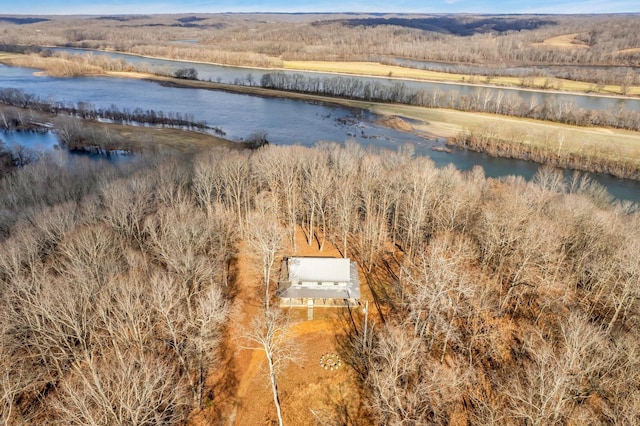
(241, 391)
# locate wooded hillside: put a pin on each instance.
(497, 302)
(496, 43)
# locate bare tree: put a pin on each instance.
(374, 199)
(69, 129)
(414, 214)
(54, 223)
(90, 255)
(406, 386)
(12, 379)
(127, 203)
(342, 209)
(318, 185)
(192, 334)
(237, 193)
(56, 320)
(207, 181)
(278, 170)
(621, 286)
(438, 290)
(266, 238)
(172, 182)
(130, 390)
(182, 238)
(556, 381)
(270, 333)
(342, 202)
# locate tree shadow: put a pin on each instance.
(346, 400)
(222, 383)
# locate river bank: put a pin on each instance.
(598, 150)
(537, 84)
(93, 135)
(619, 148)
(405, 73)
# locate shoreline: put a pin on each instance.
(356, 74)
(522, 151)
(434, 122)
(459, 83)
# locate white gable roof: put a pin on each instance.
(327, 269)
(319, 278)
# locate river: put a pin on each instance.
(235, 75)
(285, 121)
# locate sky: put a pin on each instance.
(109, 7)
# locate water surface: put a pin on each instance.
(239, 75)
(285, 121)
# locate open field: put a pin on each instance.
(179, 140)
(392, 71)
(613, 145)
(568, 41)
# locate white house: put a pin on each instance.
(318, 281)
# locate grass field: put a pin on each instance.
(381, 70)
(179, 140)
(6, 56)
(564, 41)
(611, 144)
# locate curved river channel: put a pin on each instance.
(285, 121)
(234, 75)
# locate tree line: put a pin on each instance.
(19, 98)
(500, 302)
(505, 145)
(481, 100)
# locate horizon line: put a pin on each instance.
(325, 13)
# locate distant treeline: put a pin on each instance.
(18, 98)
(481, 100)
(457, 25)
(22, 21)
(18, 48)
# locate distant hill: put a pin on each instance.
(457, 25)
(22, 21)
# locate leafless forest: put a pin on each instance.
(497, 302)
(265, 40)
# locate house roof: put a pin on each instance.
(320, 269)
(320, 278)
